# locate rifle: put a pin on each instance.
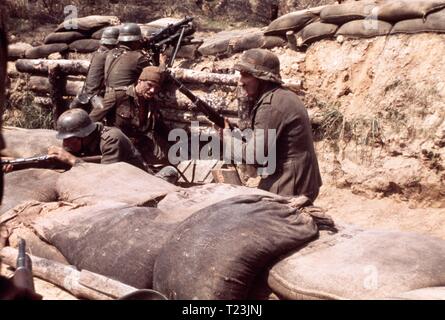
(23, 273)
(202, 106)
(45, 161)
(168, 36)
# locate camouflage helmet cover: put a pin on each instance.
(74, 123)
(110, 35)
(130, 32)
(261, 64)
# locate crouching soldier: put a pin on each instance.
(138, 116)
(83, 137)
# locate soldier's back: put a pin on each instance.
(123, 66)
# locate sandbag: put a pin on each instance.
(360, 264)
(89, 23)
(84, 45)
(219, 43)
(237, 41)
(112, 239)
(45, 50)
(342, 13)
(315, 32)
(435, 22)
(90, 183)
(98, 34)
(63, 37)
(24, 143)
(222, 248)
(178, 206)
(35, 246)
(273, 41)
(364, 29)
(29, 184)
(394, 11)
(293, 21)
(17, 50)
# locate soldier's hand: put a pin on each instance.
(62, 155)
(7, 167)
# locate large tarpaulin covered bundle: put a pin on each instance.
(218, 251)
(178, 206)
(23, 143)
(112, 239)
(90, 183)
(30, 184)
(360, 264)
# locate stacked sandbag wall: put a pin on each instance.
(359, 19)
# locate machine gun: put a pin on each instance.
(160, 40)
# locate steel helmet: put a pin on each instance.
(109, 36)
(261, 64)
(74, 123)
(130, 32)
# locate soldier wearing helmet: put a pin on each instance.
(138, 116)
(280, 109)
(93, 91)
(83, 137)
(123, 66)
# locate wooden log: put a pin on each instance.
(80, 67)
(41, 85)
(82, 284)
(104, 285)
(40, 66)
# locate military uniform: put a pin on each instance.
(279, 109)
(114, 146)
(122, 68)
(142, 122)
(94, 82)
(297, 171)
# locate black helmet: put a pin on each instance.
(130, 32)
(261, 64)
(74, 123)
(110, 35)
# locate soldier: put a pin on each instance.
(94, 86)
(123, 66)
(83, 137)
(138, 116)
(280, 109)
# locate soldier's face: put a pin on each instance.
(72, 145)
(147, 89)
(250, 84)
